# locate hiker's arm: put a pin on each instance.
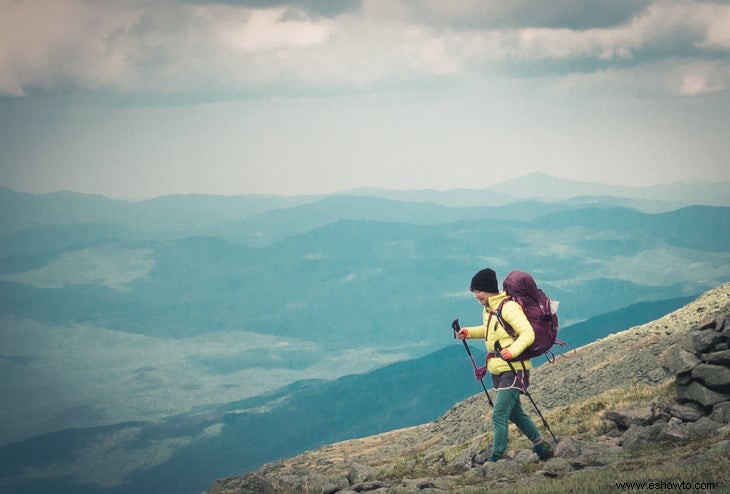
(472, 333)
(515, 317)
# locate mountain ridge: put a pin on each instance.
(23, 209)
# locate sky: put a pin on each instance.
(134, 99)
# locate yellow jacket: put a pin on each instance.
(493, 332)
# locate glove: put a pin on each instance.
(506, 354)
(480, 372)
(463, 334)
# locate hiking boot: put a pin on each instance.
(494, 457)
(544, 451)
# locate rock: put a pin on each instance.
(442, 483)
(501, 469)
(688, 412)
(370, 486)
(661, 409)
(525, 456)
(695, 391)
(610, 429)
(715, 377)
(721, 412)
(709, 322)
(567, 448)
(467, 458)
(704, 340)
(603, 451)
(480, 458)
(637, 437)
(720, 358)
(332, 485)
(721, 323)
(359, 473)
(556, 466)
(428, 484)
(634, 414)
(684, 378)
(675, 432)
(678, 360)
(702, 429)
(252, 483)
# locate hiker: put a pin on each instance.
(509, 384)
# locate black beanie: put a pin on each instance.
(485, 281)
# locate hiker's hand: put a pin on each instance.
(463, 334)
(506, 354)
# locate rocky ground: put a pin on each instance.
(651, 395)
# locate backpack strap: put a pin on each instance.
(510, 330)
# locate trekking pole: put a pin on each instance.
(498, 349)
(456, 327)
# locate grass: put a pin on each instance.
(691, 469)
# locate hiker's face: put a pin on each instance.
(482, 297)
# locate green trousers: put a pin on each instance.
(507, 408)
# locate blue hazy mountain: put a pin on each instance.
(364, 276)
(185, 213)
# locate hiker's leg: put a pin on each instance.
(524, 423)
(504, 402)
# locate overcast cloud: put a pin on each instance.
(515, 84)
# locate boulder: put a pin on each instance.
(704, 340)
(688, 412)
(502, 469)
(719, 358)
(721, 412)
(467, 458)
(638, 437)
(526, 456)
(254, 483)
(678, 361)
(715, 377)
(556, 466)
(675, 431)
(634, 414)
(702, 429)
(567, 448)
(370, 486)
(359, 473)
(695, 391)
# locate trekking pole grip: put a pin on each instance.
(456, 327)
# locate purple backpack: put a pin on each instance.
(539, 309)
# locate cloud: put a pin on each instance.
(112, 266)
(497, 14)
(65, 42)
(323, 8)
(169, 47)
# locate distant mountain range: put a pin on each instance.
(545, 188)
(188, 213)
